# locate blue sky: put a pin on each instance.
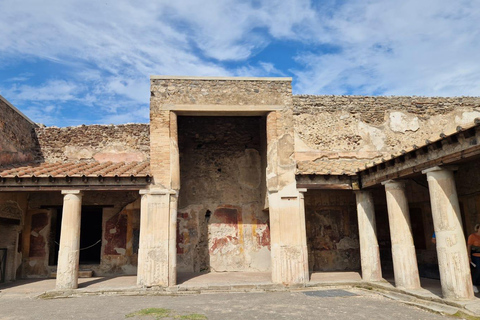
(71, 62)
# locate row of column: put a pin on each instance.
(451, 246)
(157, 243)
(156, 263)
(157, 251)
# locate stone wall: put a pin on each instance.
(221, 225)
(13, 207)
(467, 180)
(129, 142)
(332, 230)
(219, 91)
(369, 127)
(17, 138)
(224, 96)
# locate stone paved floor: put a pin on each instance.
(31, 288)
(317, 304)
(36, 286)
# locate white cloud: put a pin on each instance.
(107, 50)
(426, 47)
(53, 90)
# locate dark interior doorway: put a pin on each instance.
(90, 235)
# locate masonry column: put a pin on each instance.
(286, 205)
(451, 246)
(69, 251)
(367, 230)
(404, 258)
(155, 236)
(288, 238)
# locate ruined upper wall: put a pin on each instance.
(369, 127)
(17, 141)
(220, 91)
(129, 142)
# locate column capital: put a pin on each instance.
(79, 192)
(394, 184)
(438, 168)
(301, 193)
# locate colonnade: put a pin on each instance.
(450, 240)
(157, 241)
(157, 251)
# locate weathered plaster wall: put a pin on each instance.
(13, 207)
(36, 242)
(221, 225)
(467, 180)
(17, 138)
(129, 142)
(120, 239)
(332, 230)
(369, 127)
(120, 232)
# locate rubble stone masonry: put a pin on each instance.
(363, 127)
(129, 142)
(193, 91)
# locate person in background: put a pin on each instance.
(473, 247)
(434, 238)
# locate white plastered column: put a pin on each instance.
(69, 251)
(156, 253)
(288, 238)
(451, 246)
(369, 251)
(405, 265)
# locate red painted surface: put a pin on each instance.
(222, 242)
(227, 215)
(182, 236)
(263, 239)
(37, 241)
(116, 234)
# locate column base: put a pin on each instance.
(153, 269)
(67, 276)
(290, 266)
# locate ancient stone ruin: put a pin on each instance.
(239, 175)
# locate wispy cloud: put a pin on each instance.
(105, 51)
(426, 47)
(53, 90)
